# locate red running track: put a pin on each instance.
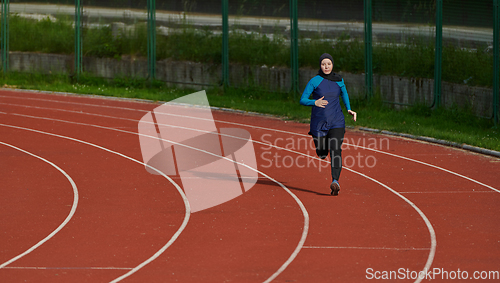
(78, 206)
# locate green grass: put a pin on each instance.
(44, 36)
(456, 125)
(453, 124)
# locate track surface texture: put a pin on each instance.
(77, 204)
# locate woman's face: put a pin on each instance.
(326, 66)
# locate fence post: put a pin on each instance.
(496, 30)
(294, 46)
(368, 48)
(5, 35)
(78, 39)
(151, 39)
(438, 53)
(225, 44)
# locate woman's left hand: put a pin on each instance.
(354, 114)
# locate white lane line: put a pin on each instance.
(432, 251)
(432, 233)
(431, 165)
(431, 230)
(78, 103)
(368, 248)
(355, 145)
(68, 218)
(73, 268)
(267, 129)
(378, 151)
(184, 198)
(65, 110)
(305, 229)
(427, 222)
(448, 192)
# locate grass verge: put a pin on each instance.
(448, 124)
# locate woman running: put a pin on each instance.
(327, 126)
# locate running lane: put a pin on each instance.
(368, 228)
(240, 239)
(36, 198)
(124, 213)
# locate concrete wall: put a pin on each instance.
(202, 75)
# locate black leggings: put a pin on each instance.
(332, 143)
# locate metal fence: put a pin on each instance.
(272, 44)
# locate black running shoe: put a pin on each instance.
(335, 187)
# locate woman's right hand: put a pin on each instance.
(320, 102)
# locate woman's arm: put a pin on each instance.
(311, 85)
(345, 98)
(304, 99)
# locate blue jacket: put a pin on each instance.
(330, 117)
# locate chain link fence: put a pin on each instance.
(266, 45)
(114, 33)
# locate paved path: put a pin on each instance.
(399, 30)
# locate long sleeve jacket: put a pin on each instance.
(330, 117)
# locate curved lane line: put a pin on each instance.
(68, 218)
(243, 125)
(430, 165)
(249, 126)
(431, 230)
(301, 205)
(428, 224)
(432, 233)
(366, 148)
(186, 203)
